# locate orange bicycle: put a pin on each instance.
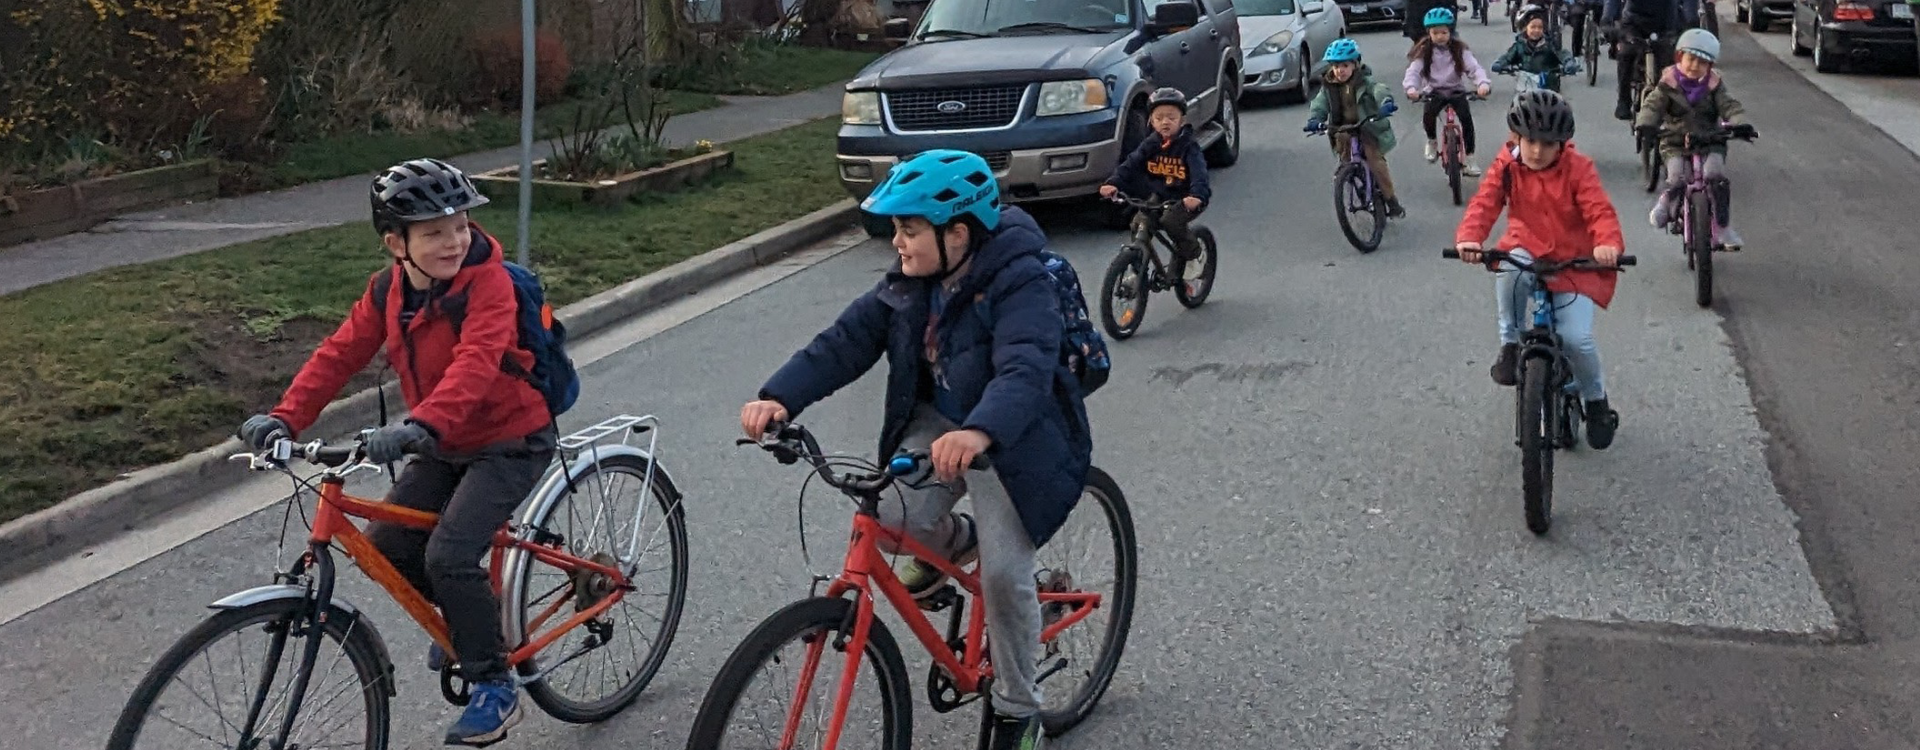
(576, 556)
(844, 619)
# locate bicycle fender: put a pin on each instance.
(339, 607)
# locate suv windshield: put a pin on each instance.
(1264, 7)
(968, 18)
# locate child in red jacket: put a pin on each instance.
(447, 315)
(1556, 210)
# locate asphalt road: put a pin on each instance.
(1324, 484)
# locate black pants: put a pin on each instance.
(1431, 117)
(1578, 17)
(474, 494)
(1629, 63)
(1176, 220)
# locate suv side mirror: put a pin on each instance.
(898, 29)
(1313, 7)
(1174, 15)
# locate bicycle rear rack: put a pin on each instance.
(626, 425)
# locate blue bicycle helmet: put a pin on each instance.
(939, 185)
(1699, 43)
(1342, 50)
(1439, 17)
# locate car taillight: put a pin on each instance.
(1852, 12)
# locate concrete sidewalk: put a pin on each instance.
(183, 230)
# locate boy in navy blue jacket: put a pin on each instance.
(971, 327)
(1170, 166)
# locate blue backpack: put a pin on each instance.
(1082, 348)
(540, 333)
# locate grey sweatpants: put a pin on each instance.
(1007, 563)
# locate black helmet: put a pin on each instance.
(419, 190)
(1167, 95)
(1541, 115)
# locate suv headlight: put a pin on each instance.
(1275, 43)
(860, 108)
(1072, 97)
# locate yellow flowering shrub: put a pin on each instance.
(136, 71)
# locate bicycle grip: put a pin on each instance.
(1450, 254)
(333, 457)
(1627, 260)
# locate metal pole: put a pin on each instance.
(526, 126)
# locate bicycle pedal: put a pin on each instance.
(941, 598)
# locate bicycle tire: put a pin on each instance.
(1126, 563)
(1351, 180)
(1700, 247)
(1210, 256)
(1450, 153)
(1127, 259)
(826, 616)
(1590, 50)
(361, 646)
(1650, 167)
(543, 692)
(1536, 443)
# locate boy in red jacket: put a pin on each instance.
(447, 315)
(1556, 210)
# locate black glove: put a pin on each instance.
(1501, 68)
(389, 443)
(1744, 130)
(261, 429)
(1647, 132)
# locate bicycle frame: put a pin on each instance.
(866, 570)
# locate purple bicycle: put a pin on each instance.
(1356, 192)
(1698, 220)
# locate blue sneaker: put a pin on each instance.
(493, 709)
(436, 657)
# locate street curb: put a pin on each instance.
(102, 512)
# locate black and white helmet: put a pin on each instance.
(1167, 95)
(419, 190)
(1541, 115)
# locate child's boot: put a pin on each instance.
(1433, 150)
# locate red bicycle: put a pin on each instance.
(743, 710)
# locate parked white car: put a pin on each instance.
(1281, 37)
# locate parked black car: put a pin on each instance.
(1052, 92)
(1843, 33)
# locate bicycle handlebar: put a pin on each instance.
(1143, 203)
(790, 443)
(277, 453)
(1540, 267)
(1324, 130)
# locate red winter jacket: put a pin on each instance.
(1558, 213)
(454, 384)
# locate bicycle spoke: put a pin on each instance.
(183, 727)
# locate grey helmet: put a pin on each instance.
(1167, 95)
(1541, 115)
(419, 190)
(1700, 43)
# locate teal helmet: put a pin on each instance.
(1342, 50)
(1699, 43)
(1439, 17)
(939, 185)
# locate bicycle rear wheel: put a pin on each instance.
(1651, 170)
(1106, 562)
(1537, 435)
(1126, 287)
(1351, 200)
(1590, 50)
(1700, 247)
(271, 635)
(1192, 287)
(611, 515)
(749, 706)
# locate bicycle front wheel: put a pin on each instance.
(1123, 293)
(1094, 552)
(1590, 50)
(624, 513)
(1650, 167)
(1451, 152)
(1359, 207)
(1536, 443)
(1700, 247)
(779, 687)
(227, 684)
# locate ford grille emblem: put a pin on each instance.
(951, 107)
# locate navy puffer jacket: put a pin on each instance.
(1000, 350)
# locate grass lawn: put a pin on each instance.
(363, 153)
(137, 366)
(770, 69)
